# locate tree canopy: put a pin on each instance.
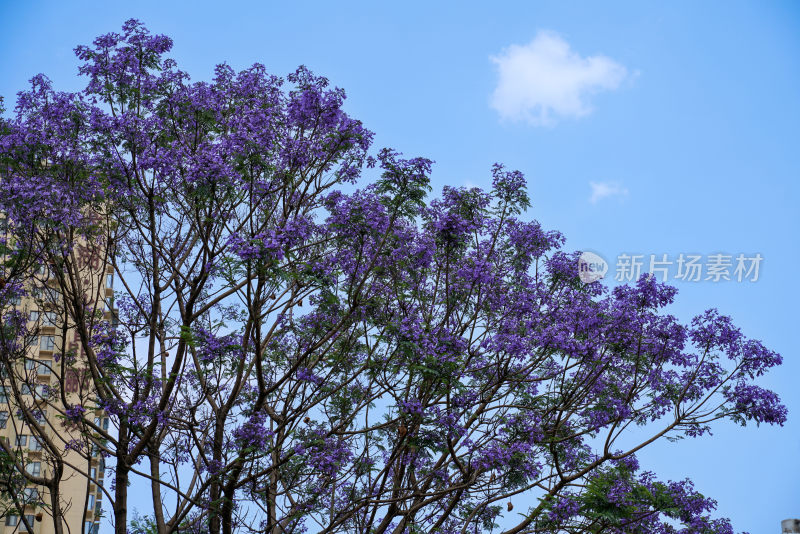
(302, 341)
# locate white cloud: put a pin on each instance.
(601, 190)
(545, 80)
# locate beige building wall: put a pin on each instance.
(80, 496)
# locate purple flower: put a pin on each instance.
(75, 413)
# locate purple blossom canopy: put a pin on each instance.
(327, 352)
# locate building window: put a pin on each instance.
(29, 519)
(12, 520)
(109, 280)
(49, 319)
(46, 294)
(93, 473)
(90, 502)
(48, 343)
(101, 423)
(34, 444)
(43, 368)
(3, 419)
(39, 415)
(21, 441)
(3, 395)
(30, 494)
(34, 468)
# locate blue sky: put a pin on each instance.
(642, 128)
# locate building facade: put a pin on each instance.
(46, 401)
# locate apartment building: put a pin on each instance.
(36, 378)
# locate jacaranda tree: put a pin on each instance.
(295, 348)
